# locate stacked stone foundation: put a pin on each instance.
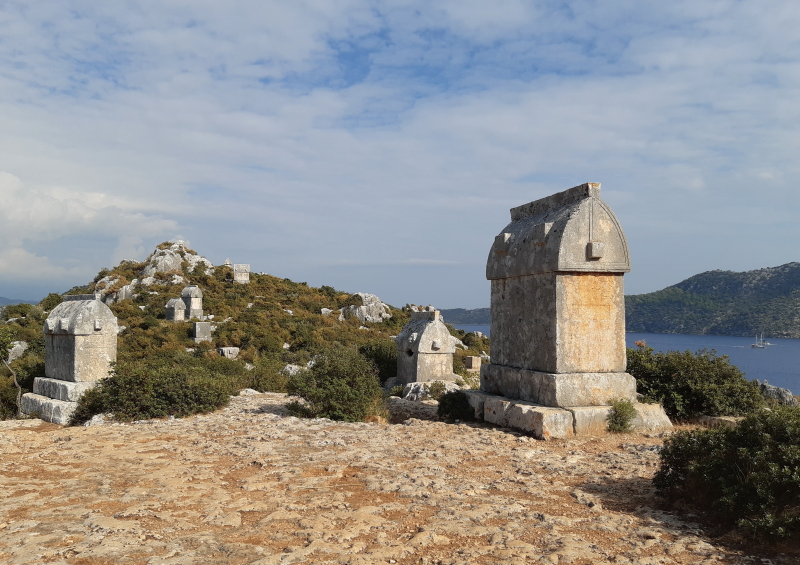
(551, 422)
(54, 400)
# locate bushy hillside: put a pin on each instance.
(722, 303)
(275, 322)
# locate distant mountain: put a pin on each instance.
(476, 317)
(9, 301)
(722, 303)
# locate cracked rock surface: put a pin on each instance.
(251, 485)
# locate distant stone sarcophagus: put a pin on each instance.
(425, 349)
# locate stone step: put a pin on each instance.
(61, 390)
(546, 422)
(48, 409)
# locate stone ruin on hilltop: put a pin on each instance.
(558, 320)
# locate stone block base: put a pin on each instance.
(48, 409)
(61, 390)
(550, 389)
(546, 422)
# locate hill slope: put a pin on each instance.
(722, 303)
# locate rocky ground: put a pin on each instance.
(251, 485)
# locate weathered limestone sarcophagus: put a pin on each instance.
(425, 349)
(80, 339)
(558, 316)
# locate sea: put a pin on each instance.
(778, 363)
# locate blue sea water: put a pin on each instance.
(779, 363)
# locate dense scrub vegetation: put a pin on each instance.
(722, 303)
(747, 476)
(341, 385)
(690, 384)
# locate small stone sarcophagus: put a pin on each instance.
(557, 303)
(192, 297)
(80, 337)
(175, 310)
(425, 349)
(241, 273)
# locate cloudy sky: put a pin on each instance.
(378, 145)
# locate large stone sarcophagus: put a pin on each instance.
(558, 319)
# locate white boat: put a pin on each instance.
(759, 344)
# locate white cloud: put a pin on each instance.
(306, 134)
(35, 216)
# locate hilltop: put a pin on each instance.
(722, 303)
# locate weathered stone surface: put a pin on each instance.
(421, 390)
(172, 258)
(424, 349)
(16, 350)
(175, 310)
(590, 420)
(371, 311)
(241, 273)
(61, 390)
(650, 418)
(80, 339)
(201, 331)
(48, 409)
(559, 322)
(548, 389)
(781, 395)
(477, 399)
(192, 297)
(543, 422)
(472, 363)
(228, 352)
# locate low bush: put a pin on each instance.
(341, 385)
(165, 385)
(621, 415)
(435, 390)
(268, 376)
(455, 405)
(690, 384)
(397, 391)
(748, 476)
(383, 353)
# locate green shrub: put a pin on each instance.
(383, 353)
(748, 476)
(268, 376)
(621, 415)
(436, 389)
(691, 384)
(341, 385)
(455, 405)
(163, 385)
(397, 391)
(51, 301)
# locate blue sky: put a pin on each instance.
(378, 146)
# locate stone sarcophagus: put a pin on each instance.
(80, 338)
(557, 303)
(558, 320)
(425, 349)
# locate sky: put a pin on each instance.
(377, 146)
